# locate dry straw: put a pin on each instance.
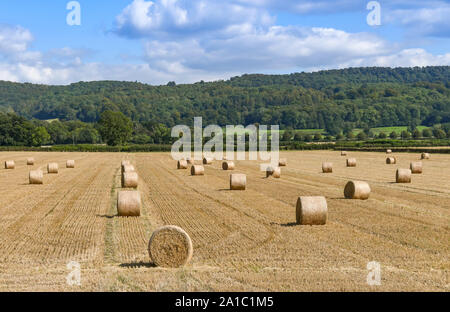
(70, 163)
(129, 204)
(357, 190)
(130, 180)
(425, 156)
(238, 182)
(36, 177)
(273, 172)
(30, 161)
(351, 162)
(197, 170)
(282, 162)
(190, 161)
(125, 162)
(391, 160)
(228, 165)
(170, 247)
(388, 151)
(52, 168)
(327, 167)
(182, 164)
(9, 164)
(311, 210)
(403, 176)
(128, 168)
(343, 153)
(207, 160)
(416, 167)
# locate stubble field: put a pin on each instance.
(243, 240)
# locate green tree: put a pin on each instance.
(393, 135)
(317, 137)
(298, 137)
(416, 134)
(405, 134)
(340, 137)
(40, 136)
(287, 135)
(350, 135)
(115, 128)
(382, 135)
(426, 133)
(362, 135)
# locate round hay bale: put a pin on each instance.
(36, 177)
(273, 172)
(327, 167)
(10, 164)
(128, 168)
(238, 182)
(197, 170)
(130, 180)
(282, 162)
(425, 156)
(129, 204)
(52, 168)
(70, 164)
(182, 164)
(388, 151)
(403, 176)
(351, 162)
(228, 165)
(391, 160)
(311, 210)
(207, 160)
(190, 161)
(125, 162)
(343, 153)
(170, 247)
(30, 161)
(416, 167)
(357, 190)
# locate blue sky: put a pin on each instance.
(187, 41)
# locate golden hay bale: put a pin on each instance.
(282, 162)
(182, 164)
(327, 167)
(125, 162)
(273, 172)
(207, 160)
(30, 161)
(130, 180)
(416, 167)
(351, 162)
(228, 165)
(425, 156)
(190, 161)
(9, 164)
(128, 168)
(403, 176)
(388, 151)
(311, 210)
(391, 160)
(343, 153)
(170, 247)
(70, 164)
(52, 168)
(129, 204)
(357, 190)
(238, 182)
(197, 170)
(36, 177)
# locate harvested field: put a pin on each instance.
(242, 241)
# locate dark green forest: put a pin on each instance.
(335, 100)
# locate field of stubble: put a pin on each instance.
(243, 240)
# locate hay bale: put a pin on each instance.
(124, 163)
(343, 153)
(416, 167)
(274, 172)
(311, 210)
(351, 162)
(128, 168)
(70, 164)
(170, 247)
(10, 164)
(388, 151)
(403, 176)
(228, 165)
(36, 177)
(207, 160)
(391, 160)
(52, 168)
(30, 161)
(197, 170)
(130, 180)
(357, 190)
(425, 156)
(129, 204)
(182, 164)
(238, 182)
(190, 161)
(327, 167)
(282, 162)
